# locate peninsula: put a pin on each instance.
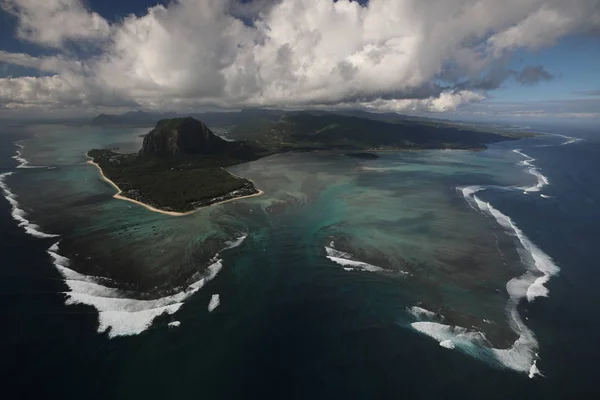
(181, 165)
(179, 168)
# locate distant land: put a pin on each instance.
(180, 166)
(145, 119)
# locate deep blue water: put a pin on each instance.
(312, 338)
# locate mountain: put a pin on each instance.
(180, 136)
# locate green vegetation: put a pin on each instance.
(306, 131)
(175, 183)
(180, 167)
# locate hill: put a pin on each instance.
(321, 131)
(180, 167)
(179, 136)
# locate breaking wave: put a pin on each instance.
(522, 355)
(118, 313)
(23, 162)
(541, 179)
(215, 301)
(18, 213)
(420, 312)
(345, 259)
(568, 139)
(235, 243)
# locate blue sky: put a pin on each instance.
(461, 57)
(575, 63)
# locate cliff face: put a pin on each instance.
(179, 136)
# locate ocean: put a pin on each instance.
(429, 274)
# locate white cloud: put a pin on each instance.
(446, 101)
(547, 24)
(52, 22)
(387, 56)
(54, 64)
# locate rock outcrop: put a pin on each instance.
(183, 136)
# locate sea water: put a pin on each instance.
(409, 275)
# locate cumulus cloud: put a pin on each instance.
(58, 91)
(53, 64)
(53, 22)
(388, 55)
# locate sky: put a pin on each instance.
(445, 58)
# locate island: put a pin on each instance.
(180, 168)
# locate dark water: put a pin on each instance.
(291, 323)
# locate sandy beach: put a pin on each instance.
(154, 209)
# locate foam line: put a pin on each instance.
(542, 262)
(23, 163)
(421, 313)
(345, 259)
(18, 213)
(235, 243)
(215, 300)
(569, 139)
(541, 179)
(468, 192)
(118, 313)
(521, 356)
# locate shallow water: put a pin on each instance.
(399, 232)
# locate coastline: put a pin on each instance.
(157, 210)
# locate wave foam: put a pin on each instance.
(235, 243)
(542, 180)
(468, 192)
(118, 314)
(215, 300)
(569, 139)
(541, 261)
(345, 259)
(18, 213)
(521, 355)
(421, 313)
(23, 163)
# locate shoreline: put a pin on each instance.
(157, 210)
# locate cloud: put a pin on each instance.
(533, 75)
(58, 91)
(388, 55)
(51, 23)
(53, 64)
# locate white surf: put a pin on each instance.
(118, 313)
(18, 213)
